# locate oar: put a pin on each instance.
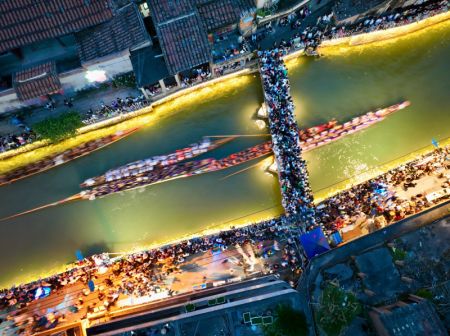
(237, 135)
(241, 171)
(66, 200)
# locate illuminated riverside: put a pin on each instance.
(372, 145)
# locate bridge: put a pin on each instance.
(297, 197)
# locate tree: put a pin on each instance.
(337, 309)
(59, 128)
(287, 322)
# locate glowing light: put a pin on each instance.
(261, 124)
(98, 76)
(382, 38)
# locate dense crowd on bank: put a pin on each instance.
(297, 198)
(390, 19)
(197, 76)
(13, 141)
(377, 197)
(139, 274)
(309, 38)
(117, 107)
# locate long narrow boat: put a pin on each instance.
(314, 137)
(139, 167)
(166, 173)
(327, 132)
(58, 159)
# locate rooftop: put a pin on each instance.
(381, 275)
(24, 21)
(124, 31)
(216, 14)
(163, 10)
(209, 312)
(148, 65)
(36, 81)
(418, 318)
(184, 43)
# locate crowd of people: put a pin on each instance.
(140, 167)
(140, 274)
(197, 75)
(158, 174)
(390, 19)
(378, 196)
(117, 107)
(325, 28)
(297, 198)
(13, 141)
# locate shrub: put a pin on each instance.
(425, 293)
(125, 80)
(398, 254)
(59, 128)
(287, 322)
(337, 309)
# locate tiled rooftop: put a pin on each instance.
(218, 13)
(184, 42)
(36, 81)
(124, 31)
(163, 10)
(24, 22)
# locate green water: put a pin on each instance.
(341, 86)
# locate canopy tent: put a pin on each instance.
(314, 242)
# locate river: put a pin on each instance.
(340, 85)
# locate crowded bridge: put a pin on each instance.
(297, 198)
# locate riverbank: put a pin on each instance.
(258, 217)
(142, 118)
(390, 34)
(38, 150)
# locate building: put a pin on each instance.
(232, 309)
(415, 316)
(185, 35)
(61, 46)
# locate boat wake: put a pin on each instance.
(42, 207)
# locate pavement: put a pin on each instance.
(82, 103)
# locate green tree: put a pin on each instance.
(59, 128)
(337, 309)
(287, 322)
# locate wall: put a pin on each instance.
(112, 65)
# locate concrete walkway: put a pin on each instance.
(82, 103)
